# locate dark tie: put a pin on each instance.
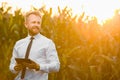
(26, 56)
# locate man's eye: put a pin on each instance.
(38, 22)
(33, 22)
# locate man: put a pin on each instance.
(43, 54)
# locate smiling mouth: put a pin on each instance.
(36, 27)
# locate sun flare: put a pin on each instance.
(102, 9)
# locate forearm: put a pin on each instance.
(50, 67)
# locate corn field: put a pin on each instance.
(87, 50)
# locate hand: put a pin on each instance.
(32, 65)
(18, 67)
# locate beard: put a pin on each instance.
(34, 30)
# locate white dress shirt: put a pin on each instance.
(43, 52)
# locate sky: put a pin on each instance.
(102, 9)
(26, 4)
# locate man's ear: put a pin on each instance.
(25, 25)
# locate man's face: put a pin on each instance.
(33, 24)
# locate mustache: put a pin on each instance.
(38, 27)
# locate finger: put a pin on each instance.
(17, 68)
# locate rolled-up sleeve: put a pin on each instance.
(52, 64)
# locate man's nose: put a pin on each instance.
(37, 24)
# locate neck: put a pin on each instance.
(32, 34)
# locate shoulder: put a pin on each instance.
(21, 41)
(46, 40)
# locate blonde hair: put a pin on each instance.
(37, 13)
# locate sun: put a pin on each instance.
(102, 9)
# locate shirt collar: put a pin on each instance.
(35, 36)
